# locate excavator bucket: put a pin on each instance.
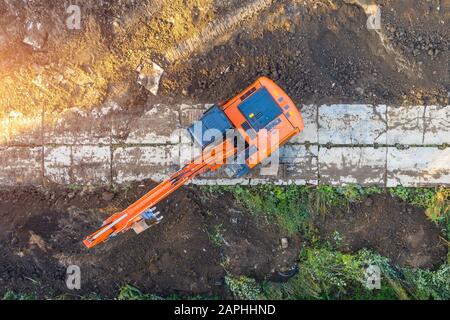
(140, 226)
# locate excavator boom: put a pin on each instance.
(143, 210)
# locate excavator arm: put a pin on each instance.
(141, 214)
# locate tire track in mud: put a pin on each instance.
(215, 30)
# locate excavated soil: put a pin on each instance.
(319, 51)
(388, 226)
(323, 53)
(202, 238)
(189, 253)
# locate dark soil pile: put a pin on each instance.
(321, 53)
(390, 227)
(201, 238)
(42, 230)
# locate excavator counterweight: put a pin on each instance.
(263, 117)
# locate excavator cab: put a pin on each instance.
(262, 111)
(213, 119)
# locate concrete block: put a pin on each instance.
(91, 165)
(80, 164)
(58, 164)
(352, 165)
(20, 166)
(76, 126)
(186, 153)
(418, 166)
(220, 182)
(219, 176)
(278, 182)
(437, 125)
(25, 130)
(352, 124)
(405, 125)
(140, 163)
(300, 164)
(310, 133)
(154, 144)
(191, 113)
(158, 125)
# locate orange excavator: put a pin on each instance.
(237, 134)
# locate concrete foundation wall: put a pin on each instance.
(341, 144)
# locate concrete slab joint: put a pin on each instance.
(352, 124)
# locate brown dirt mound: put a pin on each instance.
(390, 227)
(41, 235)
(324, 54)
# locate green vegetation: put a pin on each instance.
(129, 292)
(436, 202)
(126, 292)
(324, 272)
(291, 206)
(11, 295)
(285, 205)
(421, 197)
(327, 197)
(216, 236)
(328, 274)
(243, 288)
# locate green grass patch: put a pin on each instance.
(243, 288)
(286, 206)
(292, 206)
(327, 197)
(422, 197)
(11, 295)
(216, 235)
(328, 274)
(128, 292)
(324, 273)
(435, 201)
